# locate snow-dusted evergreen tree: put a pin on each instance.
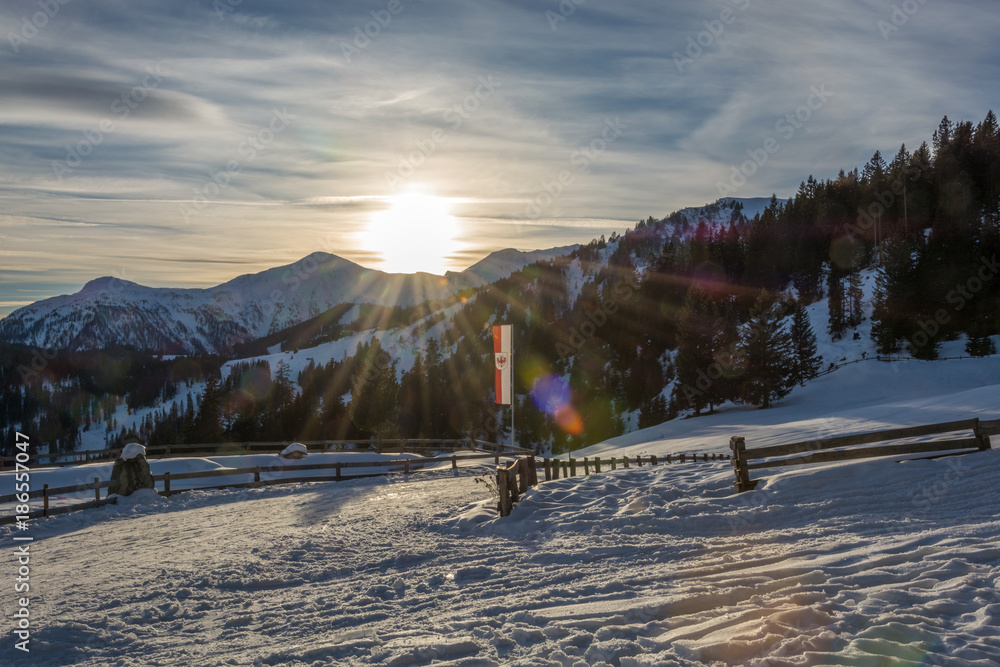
(767, 349)
(807, 360)
(894, 283)
(653, 412)
(700, 336)
(854, 312)
(835, 299)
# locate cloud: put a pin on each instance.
(407, 99)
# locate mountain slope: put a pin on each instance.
(109, 311)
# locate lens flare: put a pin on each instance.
(551, 394)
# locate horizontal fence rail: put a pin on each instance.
(400, 445)
(842, 448)
(403, 466)
(521, 474)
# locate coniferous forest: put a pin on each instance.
(675, 317)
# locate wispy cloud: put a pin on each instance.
(221, 75)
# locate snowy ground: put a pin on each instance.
(868, 563)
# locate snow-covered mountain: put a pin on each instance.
(110, 311)
(502, 263)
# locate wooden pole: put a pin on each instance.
(97, 489)
(738, 445)
(597, 464)
(166, 483)
(45, 500)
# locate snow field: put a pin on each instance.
(870, 563)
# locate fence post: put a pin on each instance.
(586, 466)
(45, 500)
(532, 472)
(624, 461)
(597, 464)
(454, 461)
(406, 467)
(338, 472)
(503, 506)
(522, 475)
(681, 458)
(652, 459)
(545, 467)
(256, 475)
(984, 440)
(572, 467)
(638, 460)
(738, 445)
(166, 483)
(614, 463)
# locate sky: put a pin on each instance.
(181, 143)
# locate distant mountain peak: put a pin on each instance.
(106, 284)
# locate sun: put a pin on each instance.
(416, 233)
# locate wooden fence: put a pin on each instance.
(403, 466)
(398, 445)
(846, 447)
(521, 474)
(513, 480)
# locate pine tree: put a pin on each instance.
(855, 300)
(807, 360)
(653, 412)
(374, 407)
(892, 298)
(835, 290)
(767, 348)
(208, 425)
(700, 337)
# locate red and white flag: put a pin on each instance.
(501, 357)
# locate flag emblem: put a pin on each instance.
(502, 361)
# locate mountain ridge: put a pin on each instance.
(110, 311)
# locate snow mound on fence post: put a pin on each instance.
(296, 450)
